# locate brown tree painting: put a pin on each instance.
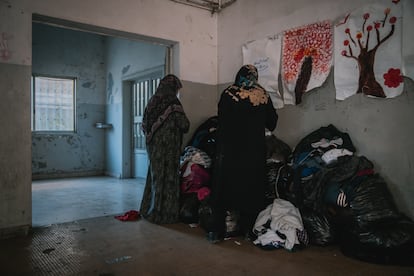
(359, 38)
(306, 59)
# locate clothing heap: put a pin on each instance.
(280, 224)
(341, 200)
(195, 170)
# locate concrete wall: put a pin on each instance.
(62, 52)
(380, 129)
(15, 141)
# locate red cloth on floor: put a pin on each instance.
(129, 216)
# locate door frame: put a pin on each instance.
(127, 83)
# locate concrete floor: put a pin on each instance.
(102, 245)
(69, 199)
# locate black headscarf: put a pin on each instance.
(161, 105)
(246, 87)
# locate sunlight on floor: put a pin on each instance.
(69, 199)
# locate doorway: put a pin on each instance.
(100, 61)
(143, 89)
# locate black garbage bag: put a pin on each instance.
(189, 208)
(378, 232)
(280, 182)
(277, 150)
(329, 132)
(371, 202)
(318, 226)
(389, 243)
(205, 137)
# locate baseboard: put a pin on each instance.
(66, 175)
(111, 174)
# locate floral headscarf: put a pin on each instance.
(161, 105)
(246, 87)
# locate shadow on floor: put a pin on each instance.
(106, 246)
(103, 245)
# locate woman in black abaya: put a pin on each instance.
(245, 110)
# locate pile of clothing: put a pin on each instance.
(195, 170)
(280, 224)
(342, 200)
(320, 193)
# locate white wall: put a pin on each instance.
(194, 29)
(381, 130)
(248, 20)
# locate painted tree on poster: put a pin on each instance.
(362, 45)
(307, 50)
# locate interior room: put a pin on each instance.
(111, 54)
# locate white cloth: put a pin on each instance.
(284, 217)
(270, 238)
(333, 154)
(324, 143)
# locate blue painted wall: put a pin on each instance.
(63, 52)
(126, 60)
(102, 66)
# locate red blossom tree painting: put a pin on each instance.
(362, 45)
(307, 53)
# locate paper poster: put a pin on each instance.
(368, 55)
(265, 55)
(306, 59)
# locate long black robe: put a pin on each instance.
(240, 170)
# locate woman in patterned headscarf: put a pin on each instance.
(245, 110)
(164, 123)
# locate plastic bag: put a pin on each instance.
(189, 208)
(372, 202)
(318, 227)
(390, 243)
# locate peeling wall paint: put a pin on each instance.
(110, 87)
(63, 52)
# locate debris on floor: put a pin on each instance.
(47, 251)
(118, 260)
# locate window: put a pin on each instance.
(53, 104)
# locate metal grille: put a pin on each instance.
(142, 92)
(53, 106)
